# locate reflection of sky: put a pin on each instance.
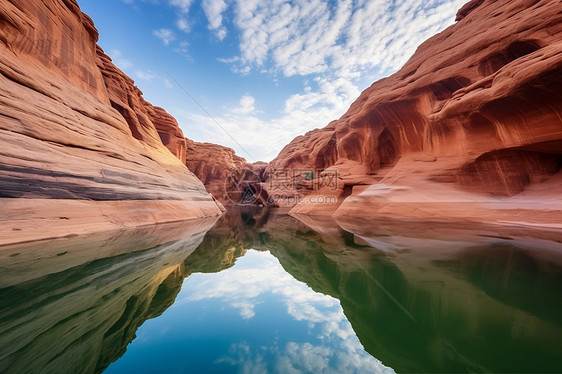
(251, 318)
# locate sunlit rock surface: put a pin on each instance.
(73, 127)
(473, 117)
(212, 163)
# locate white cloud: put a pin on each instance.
(182, 5)
(263, 138)
(336, 43)
(118, 59)
(344, 38)
(183, 25)
(145, 75)
(339, 46)
(247, 105)
(168, 84)
(246, 308)
(166, 35)
(213, 10)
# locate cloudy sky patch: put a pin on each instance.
(302, 62)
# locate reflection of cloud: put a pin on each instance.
(241, 355)
(259, 273)
(304, 358)
(241, 286)
(347, 358)
(246, 309)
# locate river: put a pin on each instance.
(260, 292)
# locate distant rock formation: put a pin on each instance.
(472, 118)
(75, 128)
(220, 169)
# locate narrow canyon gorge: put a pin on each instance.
(469, 129)
(419, 232)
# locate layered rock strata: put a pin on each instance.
(75, 131)
(472, 122)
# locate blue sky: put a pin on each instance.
(265, 70)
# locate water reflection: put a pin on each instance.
(253, 318)
(472, 302)
(270, 293)
(422, 298)
(72, 305)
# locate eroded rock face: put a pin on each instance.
(168, 130)
(74, 127)
(476, 108)
(225, 175)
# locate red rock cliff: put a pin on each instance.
(74, 128)
(148, 123)
(213, 163)
(477, 108)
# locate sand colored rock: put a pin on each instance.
(148, 123)
(28, 220)
(74, 127)
(473, 115)
(168, 130)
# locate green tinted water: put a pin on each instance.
(264, 293)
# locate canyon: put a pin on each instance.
(421, 231)
(469, 129)
(80, 149)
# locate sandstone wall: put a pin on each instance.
(476, 109)
(213, 163)
(74, 127)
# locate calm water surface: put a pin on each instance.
(260, 292)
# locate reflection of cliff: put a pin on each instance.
(490, 308)
(229, 239)
(81, 317)
(432, 302)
